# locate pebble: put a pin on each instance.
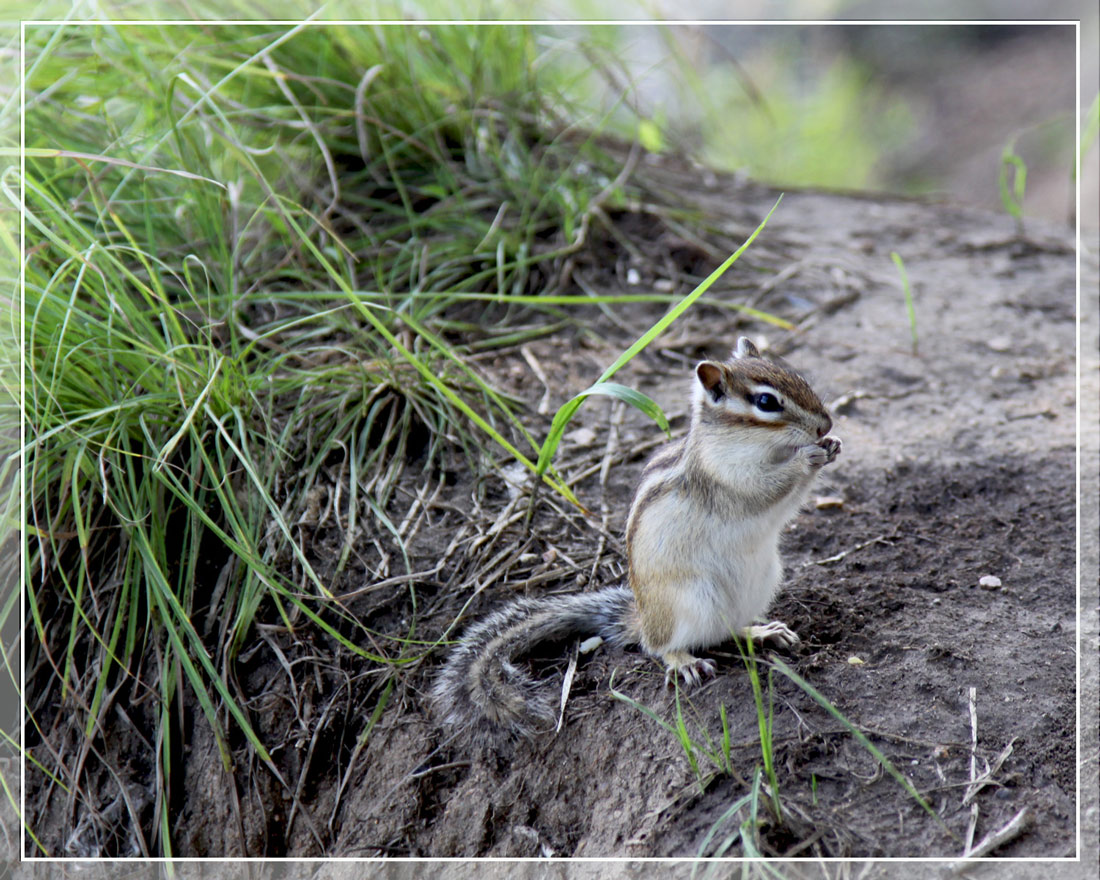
(581, 436)
(828, 502)
(989, 582)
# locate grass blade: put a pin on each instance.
(896, 257)
(820, 699)
(566, 412)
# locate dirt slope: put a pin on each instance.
(958, 464)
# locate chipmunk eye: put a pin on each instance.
(767, 403)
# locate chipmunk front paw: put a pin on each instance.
(823, 452)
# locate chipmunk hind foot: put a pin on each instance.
(693, 670)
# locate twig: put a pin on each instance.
(632, 452)
(566, 686)
(425, 507)
(972, 827)
(390, 582)
(439, 768)
(498, 568)
(605, 511)
(972, 694)
(881, 539)
(544, 404)
(996, 839)
(987, 777)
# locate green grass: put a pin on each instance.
(746, 831)
(632, 396)
(762, 114)
(910, 310)
(1012, 180)
(862, 739)
(1090, 130)
(764, 720)
(254, 253)
(700, 746)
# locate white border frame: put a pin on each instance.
(702, 22)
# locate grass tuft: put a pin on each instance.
(260, 259)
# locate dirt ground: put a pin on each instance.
(958, 463)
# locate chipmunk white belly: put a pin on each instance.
(723, 570)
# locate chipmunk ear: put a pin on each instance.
(710, 377)
(745, 349)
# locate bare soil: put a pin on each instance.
(958, 463)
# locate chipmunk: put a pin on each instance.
(701, 542)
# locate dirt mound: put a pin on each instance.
(958, 466)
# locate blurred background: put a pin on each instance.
(977, 113)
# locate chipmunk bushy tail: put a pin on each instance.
(482, 691)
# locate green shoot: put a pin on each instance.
(910, 310)
(748, 800)
(1012, 192)
(726, 760)
(764, 719)
(1089, 131)
(692, 750)
(685, 738)
(862, 739)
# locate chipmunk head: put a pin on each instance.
(753, 397)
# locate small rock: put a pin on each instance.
(989, 582)
(517, 477)
(855, 661)
(828, 502)
(1000, 343)
(633, 278)
(581, 437)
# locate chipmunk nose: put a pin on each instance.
(821, 432)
